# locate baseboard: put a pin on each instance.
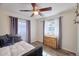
(77, 54)
(39, 41)
(70, 52)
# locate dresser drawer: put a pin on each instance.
(51, 42)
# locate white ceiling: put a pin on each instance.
(56, 8)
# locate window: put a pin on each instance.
(51, 28)
(22, 28)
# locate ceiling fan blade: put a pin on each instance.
(46, 9)
(33, 5)
(26, 10)
(32, 15)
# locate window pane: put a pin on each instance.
(22, 29)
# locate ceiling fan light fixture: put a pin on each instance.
(35, 12)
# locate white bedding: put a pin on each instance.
(17, 49)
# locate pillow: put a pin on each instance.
(3, 41)
(14, 38)
(7, 40)
(17, 39)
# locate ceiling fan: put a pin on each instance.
(36, 10)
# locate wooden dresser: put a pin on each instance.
(50, 41)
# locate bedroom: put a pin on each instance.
(67, 11)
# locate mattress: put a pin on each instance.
(17, 49)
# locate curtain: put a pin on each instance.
(13, 25)
(28, 31)
(60, 33)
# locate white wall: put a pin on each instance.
(5, 24)
(39, 31)
(33, 30)
(68, 31)
(77, 40)
(77, 36)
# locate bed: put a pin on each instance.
(21, 48)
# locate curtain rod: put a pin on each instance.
(18, 18)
